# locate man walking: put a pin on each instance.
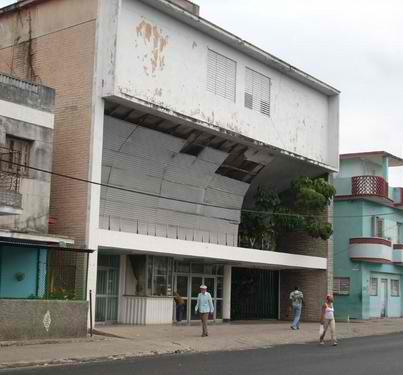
(205, 307)
(297, 300)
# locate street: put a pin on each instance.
(367, 355)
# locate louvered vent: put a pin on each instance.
(221, 75)
(257, 92)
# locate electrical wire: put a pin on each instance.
(148, 194)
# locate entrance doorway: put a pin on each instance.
(188, 287)
(106, 310)
(254, 294)
(384, 298)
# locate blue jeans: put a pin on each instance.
(296, 311)
(180, 310)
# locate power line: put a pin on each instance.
(153, 195)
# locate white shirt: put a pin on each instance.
(329, 312)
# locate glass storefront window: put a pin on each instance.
(160, 276)
(219, 309)
(219, 287)
(209, 269)
(135, 275)
(219, 269)
(182, 267)
(198, 268)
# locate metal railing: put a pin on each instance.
(370, 185)
(25, 85)
(187, 233)
(10, 179)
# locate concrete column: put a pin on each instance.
(386, 168)
(227, 293)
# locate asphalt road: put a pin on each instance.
(380, 355)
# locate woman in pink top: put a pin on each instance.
(327, 319)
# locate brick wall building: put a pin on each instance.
(54, 44)
(122, 65)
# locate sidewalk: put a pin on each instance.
(133, 341)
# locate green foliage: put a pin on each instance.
(257, 230)
(300, 208)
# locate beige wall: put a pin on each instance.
(59, 54)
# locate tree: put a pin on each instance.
(299, 208)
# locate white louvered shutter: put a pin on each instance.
(257, 92)
(221, 75)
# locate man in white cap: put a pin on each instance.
(205, 307)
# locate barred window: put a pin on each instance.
(221, 75)
(341, 285)
(257, 92)
(399, 232)
(15, 156)
(373, 287)
(378, 227)
(395, 288)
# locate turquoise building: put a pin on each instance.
(368, 235)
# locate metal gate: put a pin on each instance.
(106, 310)
(254, 294)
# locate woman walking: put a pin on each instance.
(327, 320)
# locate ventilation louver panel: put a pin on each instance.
(221, 75)
(257, 92)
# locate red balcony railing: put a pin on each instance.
(370, 185)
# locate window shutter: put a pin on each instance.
(257, 92)
(221, 75)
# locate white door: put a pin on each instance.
(384, 298)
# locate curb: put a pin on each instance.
(78, 361)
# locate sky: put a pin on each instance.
(355, 46)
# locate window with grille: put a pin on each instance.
(373, 287)
(399, 232)
(378, 225)
(395, 288)
(16, 157)
(221, 75)
(341, 285)
(257, 92)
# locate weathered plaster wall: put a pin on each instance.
(34, 185)
(60, 36)
(359, 167)
(162, 61)
(34, 319)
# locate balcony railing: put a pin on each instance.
(370, 186)
(371, 250)
(181, 232)
(9, 180)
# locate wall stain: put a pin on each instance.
(157, 42)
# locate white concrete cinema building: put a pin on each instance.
(185, 120)
(192, 118)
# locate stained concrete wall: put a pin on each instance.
(34, 319)
(34, 185)
(153, 58)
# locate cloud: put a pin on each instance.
(356, 46)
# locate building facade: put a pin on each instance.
(368, 237)
(174, 122)
(37, 270)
